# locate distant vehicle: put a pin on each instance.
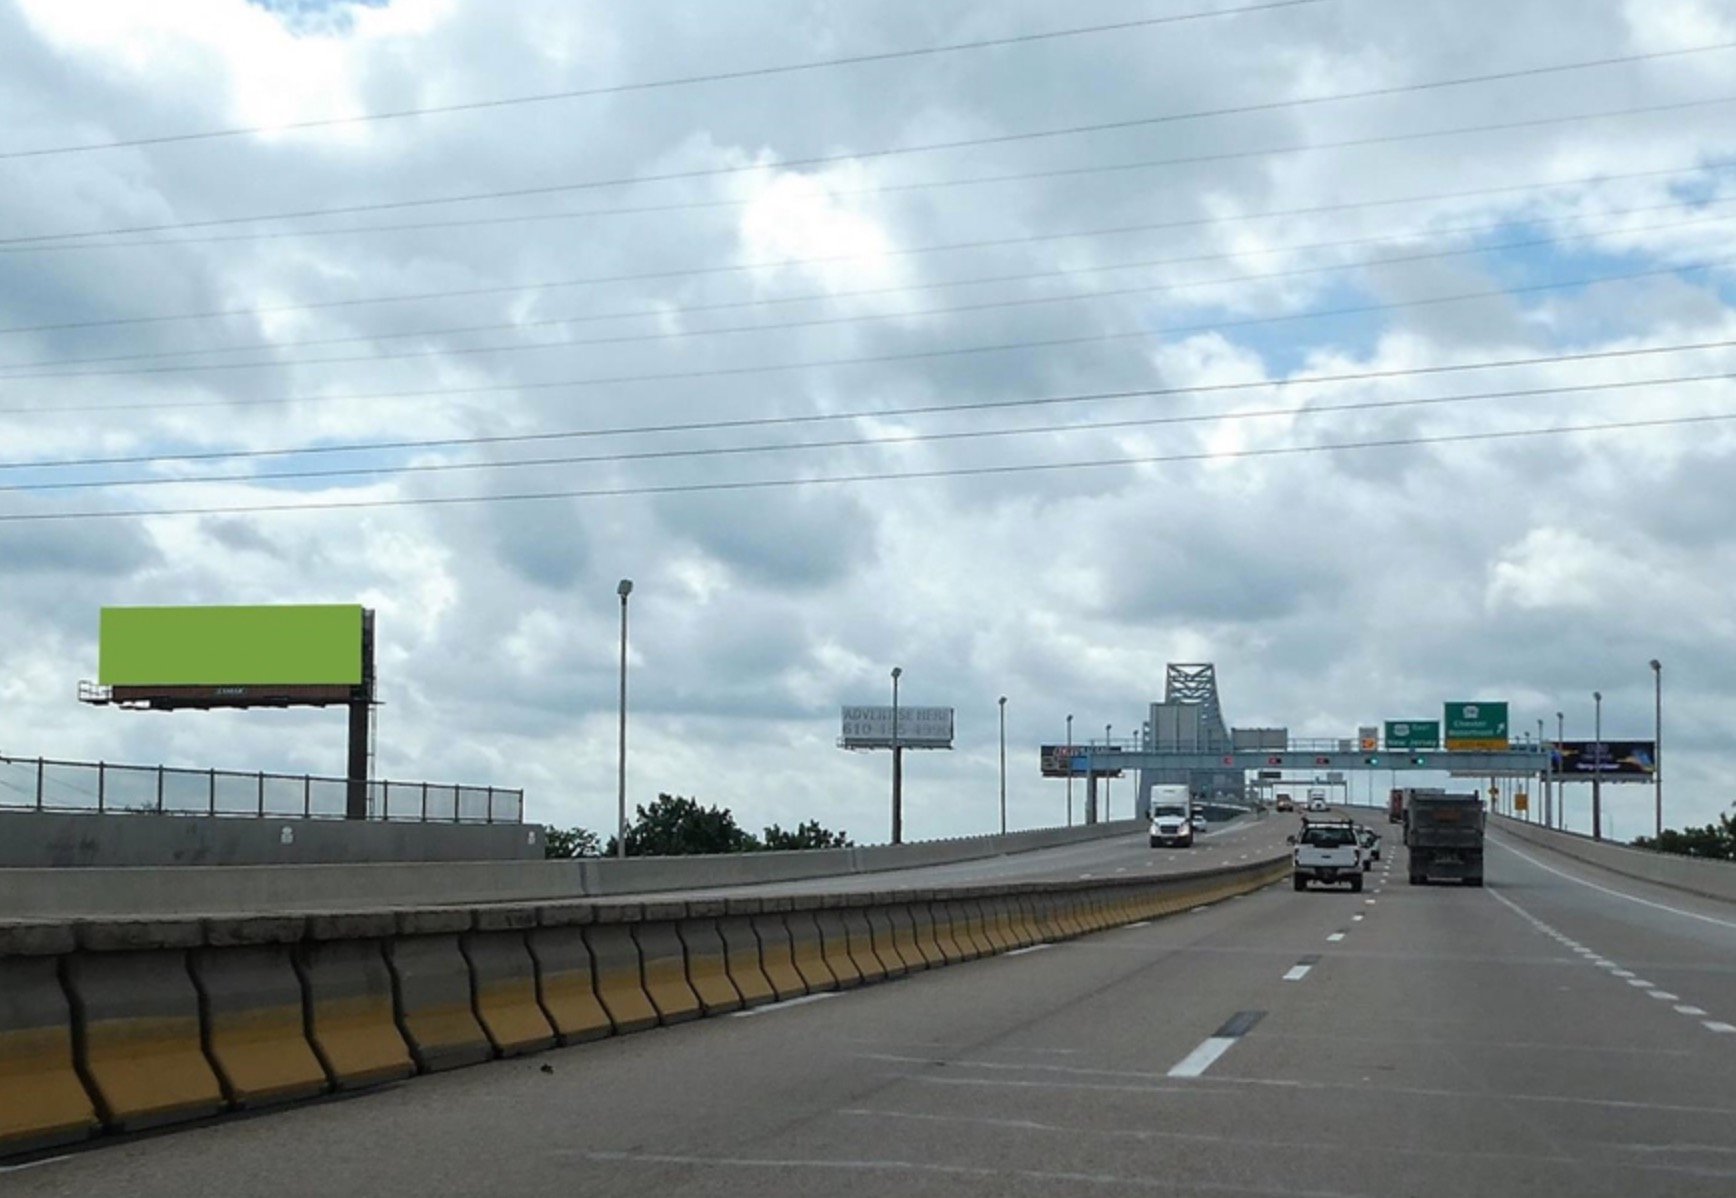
(1326, 851)
(1172, 825)
(1284, 803)
(1444, 833)
(1370, 847)
(1395, 806)
(1317, 803)
(1199, 822)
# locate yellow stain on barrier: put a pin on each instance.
(42, 1102)
(742, 961)
(808, 953)
(619, 984)
(359, 1040)
(564, 985)
(150, 1070)
(664, 963)
(777, 957)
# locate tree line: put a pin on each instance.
(677, 826)
(1716, 841)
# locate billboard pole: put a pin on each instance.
(897, 766)
(361, 710)
(1597, 767)
(1069, 772)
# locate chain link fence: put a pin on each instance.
(43, 784)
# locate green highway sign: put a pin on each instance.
(1477, 726)
(1413, 734)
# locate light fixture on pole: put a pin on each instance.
(1069, 771)
(624, 589)
(897, 765)
(1658, 744)
(1597, 767)
(1003, 765)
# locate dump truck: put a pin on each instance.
(1444, 836)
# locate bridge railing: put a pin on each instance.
(46, 784)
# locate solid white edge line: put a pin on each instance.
(1297, 973)
(1723, 923)
(1032, 948)
(1203, 1057)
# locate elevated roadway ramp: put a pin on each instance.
(1425, 1041)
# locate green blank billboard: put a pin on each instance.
(231, 646)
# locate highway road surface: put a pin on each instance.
(1250, 838)
(1560, 1032)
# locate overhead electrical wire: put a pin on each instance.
(7, 369)
(1215, 455)
(615, 89)
(872, 442)
(809, 418)
(927, 185)
(910, 355)
(1702, 169)
(47, 240)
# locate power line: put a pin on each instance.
(42, 240)
(879, 477)
(742, 267)
(7, 368)
(809, 418)
(912, 355)
(655, 84)
(903, 439)
(900, 188)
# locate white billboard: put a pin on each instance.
(918, 727)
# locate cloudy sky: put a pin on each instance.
(1049, 306)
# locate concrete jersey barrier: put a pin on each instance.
(1697, 875)
(267, 889)
(111, 1025)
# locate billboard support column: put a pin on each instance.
(361, 705)
(1091, 797)
(897, 794)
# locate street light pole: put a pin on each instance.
(1658, 744)
(1003, 765)
(1107, 728)
(624, 589)
(897, 765)
(1597, 768)
(1069, 771)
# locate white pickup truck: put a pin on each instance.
(1327, 852)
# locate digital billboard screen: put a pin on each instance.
(1617, 760)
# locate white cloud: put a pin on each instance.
(1331, 589)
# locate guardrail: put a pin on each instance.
(119, 1025)
(1696, 875)
(45, 784)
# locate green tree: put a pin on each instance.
(1716, 841)
(806, 836)
(571, 842)
(675, 826)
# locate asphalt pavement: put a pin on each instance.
(1248, 838)
(1560, 1032)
